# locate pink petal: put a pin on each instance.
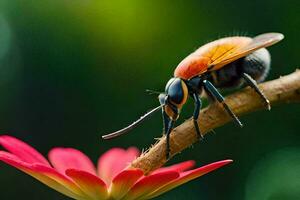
(122, 182)
(188, 176)
(67, 158)
(114, 161)
(180, 167)
(44, 174)
(93, 186)
(149, 184)
(25, 152)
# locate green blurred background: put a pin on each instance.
(71, 70)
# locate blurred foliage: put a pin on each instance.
(280, 170)
(71, 70)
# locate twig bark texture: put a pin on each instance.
(282, 90)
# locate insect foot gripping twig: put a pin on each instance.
(285, 89)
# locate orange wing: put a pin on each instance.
(216, 54)
(260, 41)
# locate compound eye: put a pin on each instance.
(175, 91)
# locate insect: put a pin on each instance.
(224, 63)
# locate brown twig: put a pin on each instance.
(282, 90)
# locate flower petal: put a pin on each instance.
(44, 174)
(180, 167)
(68, 158)
(114, 161)
(149, 184)
(122, 182)
(19, 148)
(188, 176)
(89, 183)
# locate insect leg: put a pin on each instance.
(214, 92)
(168, 132)
(252, 83)
(165, 121)
(198, 105)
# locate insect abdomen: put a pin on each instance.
(256, 64)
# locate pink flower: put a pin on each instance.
(72, 173)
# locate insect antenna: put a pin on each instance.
(151, 92)
(133, 125)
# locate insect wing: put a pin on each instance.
(260, 41)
